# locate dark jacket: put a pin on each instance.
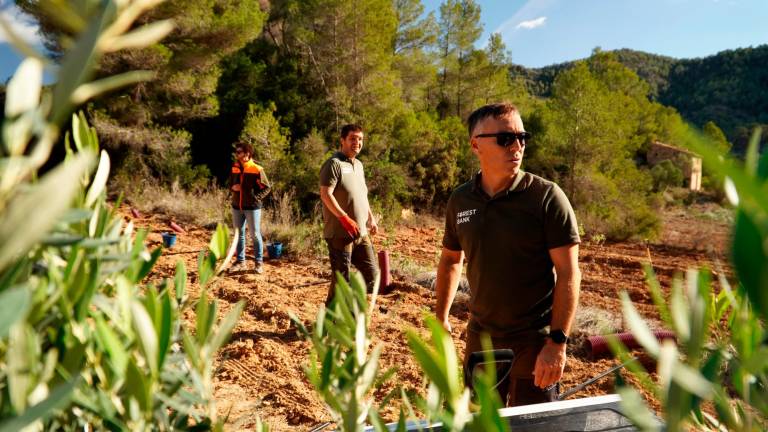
(254, 185)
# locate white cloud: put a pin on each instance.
(530, 10)
(532, 24)
(22, 26)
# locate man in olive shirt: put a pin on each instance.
(346, 212)
(514, 228)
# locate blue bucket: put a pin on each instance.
(275, 250)
(169, 239)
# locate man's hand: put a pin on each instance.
(373, 227)
(236, 188)
(446, 325)
(350, 226)
(549, 364)
(446, 284)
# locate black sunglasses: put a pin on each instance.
(506, 139)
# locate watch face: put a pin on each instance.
(558, 336)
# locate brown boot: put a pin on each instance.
(238, 266)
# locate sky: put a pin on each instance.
(26, 30)
(544, 32)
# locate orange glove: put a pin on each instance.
(350, 226)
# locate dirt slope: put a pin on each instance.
(260, 370)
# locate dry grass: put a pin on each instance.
(409, 269)
(594, 321)
(205, 207)
(281, 222)
(417, 219)
(590, 321)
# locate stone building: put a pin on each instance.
(688, 162)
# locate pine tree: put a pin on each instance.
(415, 39)
(460, 28)
(148, 119)
(588, 145)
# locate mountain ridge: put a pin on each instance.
(729, 87)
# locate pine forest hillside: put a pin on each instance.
(284, 75)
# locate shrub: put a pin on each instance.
(344, 373)
(447, 399)
(157, 152)
(723, 354)
(204, 206)
(83, 344)
(310, 153)
(80, 327)
(282, 223)
(665, 175)
(270, 144)
(340, 368)
(618, 208)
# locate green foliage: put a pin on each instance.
(78, 319)
(341, 368)
(413, 37)
(410, 79)
(588, 134)
(723, 357)
(666, 174)
(346, 47)
(746, 187)
(725, 88)
(149, 121)
(163, 157)
(430, 150)
(716, 137)
(82, 344)
(413, 32)
(309, 156)
(447, 401)
(709, 180)
(460, 27)
(270, 144)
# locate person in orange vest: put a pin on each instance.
(249, 186)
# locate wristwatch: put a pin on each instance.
(558, 336)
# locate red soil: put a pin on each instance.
(260, 369)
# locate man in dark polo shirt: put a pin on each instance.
(346, 212)
(514, 228)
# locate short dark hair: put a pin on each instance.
(497, 110)
(346, 129)
(244, 146)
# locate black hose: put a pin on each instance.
(320, 427)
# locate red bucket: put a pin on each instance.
(385, 278)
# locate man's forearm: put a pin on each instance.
(446, 285)
(331, 204)
(566, 299)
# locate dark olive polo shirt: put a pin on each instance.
(347, 180)
(506, 239)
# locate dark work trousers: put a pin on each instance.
(517, 388)
(345, 252)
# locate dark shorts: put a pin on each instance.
(345, 252)
(517, 388)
